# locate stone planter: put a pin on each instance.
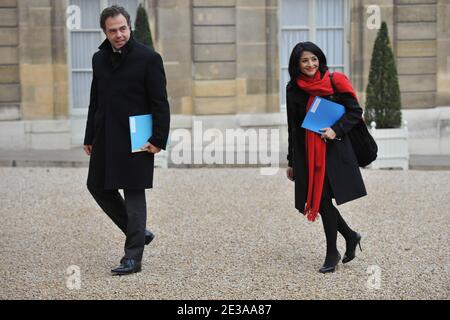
(392, 147)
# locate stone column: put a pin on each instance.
(9, 61)
(443, 53)
(170, 21)
(214, 56)
(272, 61)
(35, 56)
(59, 59)
(415, 22)
(251, 46)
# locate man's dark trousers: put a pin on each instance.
(129, 214)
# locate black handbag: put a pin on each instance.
(363, 143)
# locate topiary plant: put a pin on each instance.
(383, 104)
(142, 28)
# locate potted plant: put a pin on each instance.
(383, 106)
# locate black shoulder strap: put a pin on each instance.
(333, 85)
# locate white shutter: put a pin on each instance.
(83, 43)
(330, 31)
(294, 29)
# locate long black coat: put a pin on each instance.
(342, 167)
(135, 85)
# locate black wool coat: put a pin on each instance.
(342, 167)
(135, 85)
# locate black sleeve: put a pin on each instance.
(157, 96)
(291, 126)
(353, 114)
(89, 133)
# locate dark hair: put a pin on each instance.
(294, 60)
(112, 12)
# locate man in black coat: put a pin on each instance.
(128, 80)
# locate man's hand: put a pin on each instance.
(150, 148)
(88, 149)
(328, 133)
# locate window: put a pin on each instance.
(320, 21)
(84, 42)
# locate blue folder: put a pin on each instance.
(322, 114)
(140, 131)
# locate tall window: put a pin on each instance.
(84, 42)
(319, 21)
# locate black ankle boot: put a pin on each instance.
(351, 248)
(330, 264)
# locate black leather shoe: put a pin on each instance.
(330, 266)
(127, 266)
(149, 236)
(351, 248)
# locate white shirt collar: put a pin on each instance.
(116, 50)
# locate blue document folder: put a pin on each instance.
(140, 131)
(322, 114)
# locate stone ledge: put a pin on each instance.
(47, 126)
(50, 141)
(9, 112)
(214, 3)
(230, 121)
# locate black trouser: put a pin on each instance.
(130, 215)
(332, 221)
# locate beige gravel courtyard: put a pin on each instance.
(223, 234)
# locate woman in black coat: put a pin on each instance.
(323, 166)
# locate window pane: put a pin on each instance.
(332, 44)
(129, 5)
(330, 13)
(81, 87)
(90, 13)
(294, 12)
(83, 46)
(288, 41)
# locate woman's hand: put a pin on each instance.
(88, 149)
(328, 133)
(290, 173)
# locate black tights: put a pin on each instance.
(332, 223)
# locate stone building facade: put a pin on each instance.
(225, 61)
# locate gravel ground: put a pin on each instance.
(223, 234)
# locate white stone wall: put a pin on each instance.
(429, 130)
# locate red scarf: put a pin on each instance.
(315, 147)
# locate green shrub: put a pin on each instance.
(142, 28)
(383, 103)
